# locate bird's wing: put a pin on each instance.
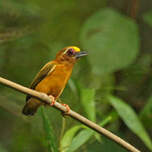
(46, 70)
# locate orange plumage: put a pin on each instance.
(53, 77)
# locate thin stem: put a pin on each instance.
(134, 8)
(46, 99)
(62, 131)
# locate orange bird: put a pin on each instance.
(53, 77)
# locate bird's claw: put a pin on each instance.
(52, 100)
(67, 109)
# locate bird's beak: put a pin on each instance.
(80, 54)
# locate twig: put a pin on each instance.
(134, 8)
(44, 98)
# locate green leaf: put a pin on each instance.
(80, 139)
(146, 113)
(105, 121)
(131, 119)
(84, 135)
(50, 137)
(87, 100)
(67, 138)
(148, 18)
(112, 39)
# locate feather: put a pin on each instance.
(45, 71)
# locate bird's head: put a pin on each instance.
(70, 54)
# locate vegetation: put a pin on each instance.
(112, 86)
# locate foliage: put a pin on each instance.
(112, 35)
(50, 137)
(131, 120)
(112, 86)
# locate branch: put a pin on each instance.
(134, 8)
(46, 99)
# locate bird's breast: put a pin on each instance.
(55, 82)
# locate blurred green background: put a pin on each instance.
(112, 86)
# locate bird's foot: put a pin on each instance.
(52, 100)
(67, 109)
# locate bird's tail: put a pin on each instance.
(31, 106)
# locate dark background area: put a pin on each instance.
(112, 86)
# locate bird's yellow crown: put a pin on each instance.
(75, 48)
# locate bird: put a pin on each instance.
(53, 77)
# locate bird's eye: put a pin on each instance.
(71, 52)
